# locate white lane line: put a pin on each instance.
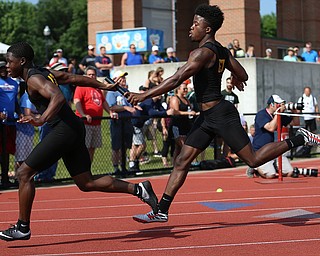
(193, 247)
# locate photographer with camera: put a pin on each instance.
(266, 124)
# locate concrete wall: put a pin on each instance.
(266, 77)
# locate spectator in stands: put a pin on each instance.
(25, 132)
(265, 126)
(88, 60)
(250, 51)
(170, 55)
(154, 56)
(61, 59)
(149, 107)
(251, 133)
(290, 56)
(182, 123)
(309, 55)
(168, 142)
(72, 66)
(90, 103)
(152, 80)
(132, 57)
(8, 107)
(103, 63)
(268, 54)
(54, 59)
(159, 75)
(229, 95)
(238, 52)
(121, 130)
(65, 88)
(296, 50)
(310, 106)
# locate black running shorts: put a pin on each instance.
(62, 142)
(222, 119)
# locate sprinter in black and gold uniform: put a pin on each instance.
(66, 140)
(217, 116)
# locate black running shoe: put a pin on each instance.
(148, 196)
(13, 233)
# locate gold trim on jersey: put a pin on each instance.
(221, 65)
(52, 79)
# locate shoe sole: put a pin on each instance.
(153, 200)
(145, 222)
(14, 239)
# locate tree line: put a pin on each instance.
(67, 20)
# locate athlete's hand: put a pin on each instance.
(237, 83)
(35, 121)
(134, 98)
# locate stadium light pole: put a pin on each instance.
(46, 33)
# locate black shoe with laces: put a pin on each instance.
(13, 233)
(148, 196)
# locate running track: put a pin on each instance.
(250, 217)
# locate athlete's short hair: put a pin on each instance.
(212, 14)
(22, 49)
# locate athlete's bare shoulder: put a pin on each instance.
(201, 54)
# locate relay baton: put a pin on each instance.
(119, 88)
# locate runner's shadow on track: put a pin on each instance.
(140, 235)
(183, 231)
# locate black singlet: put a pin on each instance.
(208, 80)
(66, 114)
(66, 140)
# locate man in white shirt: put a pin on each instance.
(310, 106)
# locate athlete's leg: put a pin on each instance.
(181, 168)
(266, 153)
(25, 176)
(86, 183)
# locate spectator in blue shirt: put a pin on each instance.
(121, 130)
(309, 55)
(8, 104)
(132, 57)
(154, 56)
(171, 55)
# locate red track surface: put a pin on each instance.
(66, 221)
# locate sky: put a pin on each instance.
(266, 6)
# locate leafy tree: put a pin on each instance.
(269, 25)
(23, 21)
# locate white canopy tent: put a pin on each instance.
(3, 48)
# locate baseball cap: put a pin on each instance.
(90, 47)
(290, 49)
(155, 48)
(275, 99)
(2, 64)
(170, 50)
(59, 50)
(269, 50)
(59, 67)
(118, 73)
